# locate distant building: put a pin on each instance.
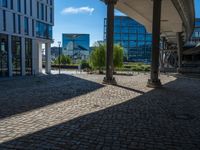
(76, 46)
(133, 37)
(195, 38)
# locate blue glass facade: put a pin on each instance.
(133, 37)
(4, 3)
(43, 30)
(196, 34)
(76, 45)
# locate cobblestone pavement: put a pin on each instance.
(79, 113)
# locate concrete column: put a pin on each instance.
(154, 82)
(10, 70)
(39, 57)
(34, 57)
(48, 58)
(109, 79)
(180, 49)
(23, 59)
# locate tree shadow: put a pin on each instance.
(145, 122)
(26, 94)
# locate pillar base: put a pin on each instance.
(48, 73)
(179, 70)
(110, 81)
(154, 83)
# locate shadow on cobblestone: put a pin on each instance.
(22, 95)
(130, 89)
(144, 122)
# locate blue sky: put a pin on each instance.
(84, 16)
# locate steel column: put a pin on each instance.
(180, 49)
(109, 79)
(154, 82)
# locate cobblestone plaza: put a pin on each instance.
(63, 112)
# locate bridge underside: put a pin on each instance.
(173, 16)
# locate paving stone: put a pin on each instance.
(62, 112)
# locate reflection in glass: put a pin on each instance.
(43, 30)
(16, 55)
(3, 55)
(133, 37)
(28, 56)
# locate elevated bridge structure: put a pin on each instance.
(169, 20)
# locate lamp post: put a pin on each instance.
(59, 45)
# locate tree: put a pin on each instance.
(118, 55)
(97, 58)
(85, 64)
(63, 60)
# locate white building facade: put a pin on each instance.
(25, 29)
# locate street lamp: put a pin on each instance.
(59, 45)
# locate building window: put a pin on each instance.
(43, 30)
(14, 23)
(19, 24)
(42, 11)
(25, 9)
(16, 55)
(19, 5)
(51, 2)
(4, 20)
(3, 55)
(26, 26)
(38, 10)
(28, 56)
(51, 15)
(4, 3)
(11, 4)
(45, 13)
(31, 8)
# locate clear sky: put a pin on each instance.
(84, 16)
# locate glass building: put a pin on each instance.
(76, 45)
(195, 38)
(133, 37)
(25, 26)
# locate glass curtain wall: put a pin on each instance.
(16, 56)
(133, 37)
(28, 56)
(3, 55)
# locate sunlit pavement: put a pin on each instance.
(78, 112)
(66, 71)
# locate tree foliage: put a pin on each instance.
(118, 56)
(85, 64)
(98, 57)
(64, 60)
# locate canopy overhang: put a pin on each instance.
(177, 16)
